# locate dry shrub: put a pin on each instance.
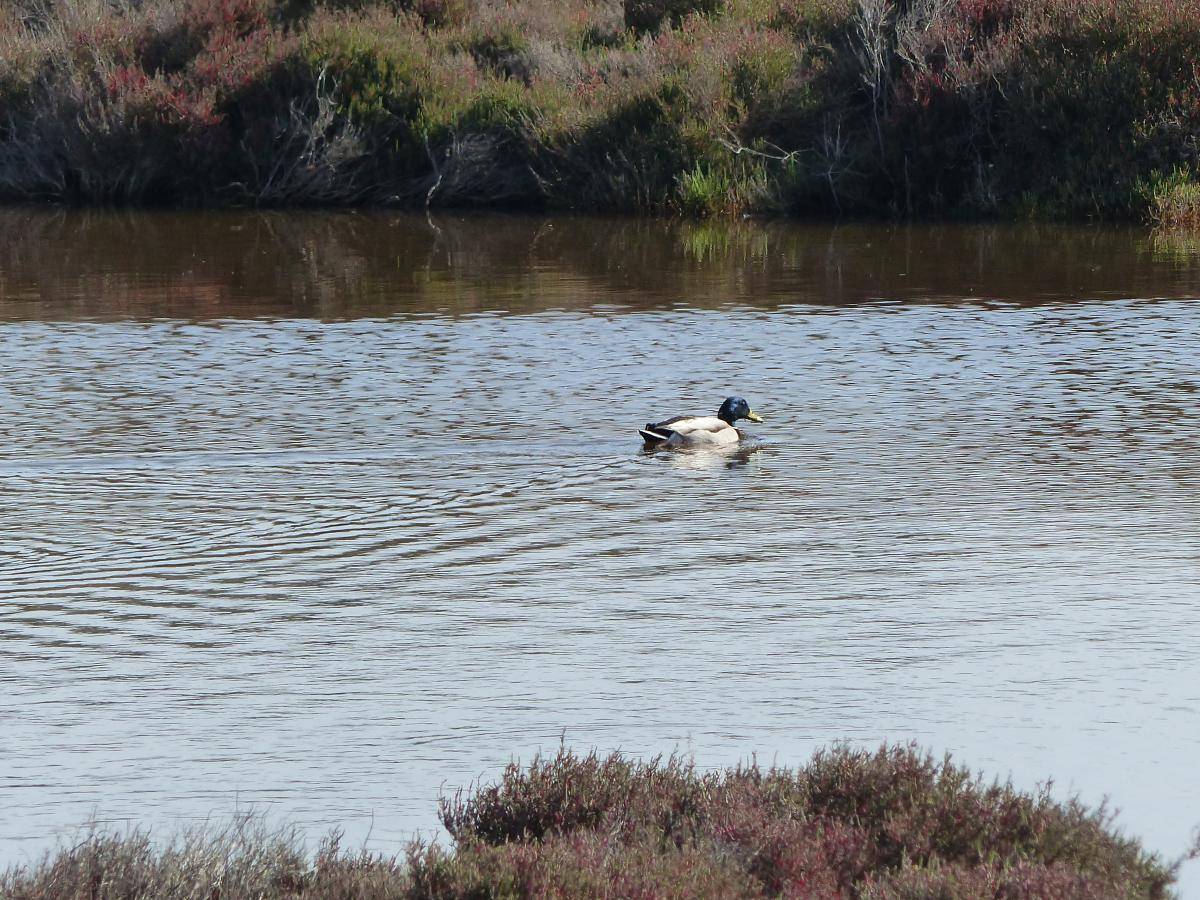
(886, 825)
(579, 865)
(651, 16)
(500, 45)
(433, 14)
(896, 817)
(318, 157)
(243, 860)
(1023, 880)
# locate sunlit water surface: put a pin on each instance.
(326, 515)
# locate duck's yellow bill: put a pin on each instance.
(753, 416)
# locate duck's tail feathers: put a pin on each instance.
(653, 436)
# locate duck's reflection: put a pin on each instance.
(707, 458)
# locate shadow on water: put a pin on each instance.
(333, 266)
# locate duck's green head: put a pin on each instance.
(735, 408)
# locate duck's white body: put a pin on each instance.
(692, 431)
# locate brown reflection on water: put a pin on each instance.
(107, 265)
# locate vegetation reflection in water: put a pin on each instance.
(335, 266)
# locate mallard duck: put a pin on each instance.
(700, 431)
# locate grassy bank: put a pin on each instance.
(1051, 108)
(892, 824)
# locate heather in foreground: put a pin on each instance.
(1047, 108)
(892, 824)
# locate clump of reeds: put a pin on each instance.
(1175, 201)
(895, 823)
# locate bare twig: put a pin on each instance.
(437, 171)
(733, 144)
(874, 50)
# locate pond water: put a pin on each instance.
(323, 515)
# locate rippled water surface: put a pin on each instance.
(322, 515)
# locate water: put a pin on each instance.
(322, 515)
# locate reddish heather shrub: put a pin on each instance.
(580, 864)
(566, 793)
(897, 816)
(1022, 881)
(168, 39)
(790, 854)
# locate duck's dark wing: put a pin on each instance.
(650, 439)
(655, 434)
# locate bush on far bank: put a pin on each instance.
(892, 824)
(999, 108)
